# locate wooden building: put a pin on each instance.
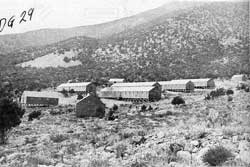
(40, 99)
(138, 84)
(239, 77)
(202, 83)
(116, 80)
(81, 87)
(90, 106)
(133, 91)
(177, 85)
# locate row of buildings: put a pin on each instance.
(148, 91)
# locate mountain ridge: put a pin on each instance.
(47, 36)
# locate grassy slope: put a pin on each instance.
(45, 141)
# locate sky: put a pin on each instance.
(69, 13)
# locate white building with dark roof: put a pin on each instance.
(203, 83)
(83, 87)
(177, 85)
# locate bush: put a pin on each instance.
(229, 92)
(115, 107)
(143, 108)
(229, 98)
(34, 115)
(98, 162)
(79, 97)
(10, 116)
(58, 138)
(66, 59)
(71, 91)
(178, 100)
(216, 156)
(150, 108)
(216, 93)
(109, 115)
(65, 93)
(120, 150)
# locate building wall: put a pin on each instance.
(211, 83)
(190, 87)
(40, 101)
(91, 88)
(90, 106)
(155, 94)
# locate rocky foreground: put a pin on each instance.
(163, 135)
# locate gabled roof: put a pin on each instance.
(87, 96)
(116, 79)
(74, 84)
(194, 80)
(129, 89)
(134, 84)
(239, 75)
(173, 82)
(45, 94)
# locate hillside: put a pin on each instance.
(135, 139)
(48, 36)
(208, 41)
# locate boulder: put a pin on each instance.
(244, 147)
(184, 155)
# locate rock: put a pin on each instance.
(235, 139)
(175, 147)
(195, 143)
(184, 155)
(244, 154)
(200, 154)
(160, 135)
(163, 113)
(62, 165)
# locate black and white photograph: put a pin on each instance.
(124, 83)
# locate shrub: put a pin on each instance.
(34, 115)
(10, 116)
(58, 138)
(71, 91)
(64, 92)
(207, 97)
(229, 92)
(247, 89)
(139, 164)
(143, 108)
(150, 108)
(216, 93)
(216, 156)
(66, 59)
(97, 162)
(115, 107)
(79, 97)
(109, 115)
(229, 98)
(178, 100)
(120, 150)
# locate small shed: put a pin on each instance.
(90, 106)
(81, 87)
(204, 83)
(177, 85)
(146, 93)
(239, 77)
(116, 80)
(43, 98)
